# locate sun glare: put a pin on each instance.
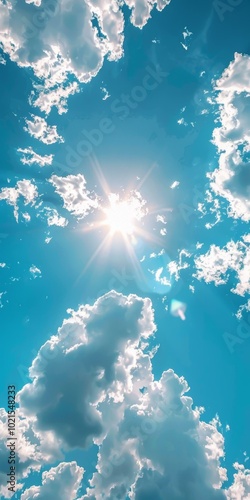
(121, 216)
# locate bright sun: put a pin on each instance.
(120, 216)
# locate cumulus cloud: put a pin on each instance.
(231, 179)
(24, 189)
(30, 158)
(58, 38)
(93, 382)
(61, 482)
(39, 129)
(88, 354)
(77, 199)
(217, 263)
(160, 448)
(240, 488)
(29, 456)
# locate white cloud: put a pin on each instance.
(242, 308)
(141, 10)
(240, 488)
(39, 129)
(61, 482)
(186, 34)
(215, 265)
(48, 97)
(106, 94)
(57, 38)
(161, 218)
(175, 267)
(231, 179)
(25, 189)
(54, 219)
(35, 271)
(1, 297)
(151, 441)
(30, 157)
(77, 199)
(174, 185)
(2, 264)
(88, 354)
(160, 448)
(29, 457)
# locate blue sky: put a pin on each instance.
(125, 142)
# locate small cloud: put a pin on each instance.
(2, 60)
(106, 94)
(1, 296)
(25, 189)
(26, 216)
(40, 130)
(35, 271)
(30, 158)
(54, 219)
(186, 34)
(161, 218)
(174, 185)
(76, 197)
(2, 264)
(181, 121)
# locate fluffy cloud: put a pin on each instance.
(141, 10)
(30, 158)
(93, 383)
(39, 129)
(232, 139)
(86, 367)
(215, 265)
(29, 456)
(160, 448)
(25, 189)
(61, 482)
(240, 488)
(77, 199)
(58, 38)
(54, 219)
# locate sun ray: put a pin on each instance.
(100, 175)
(146, 175)
(95, 254)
